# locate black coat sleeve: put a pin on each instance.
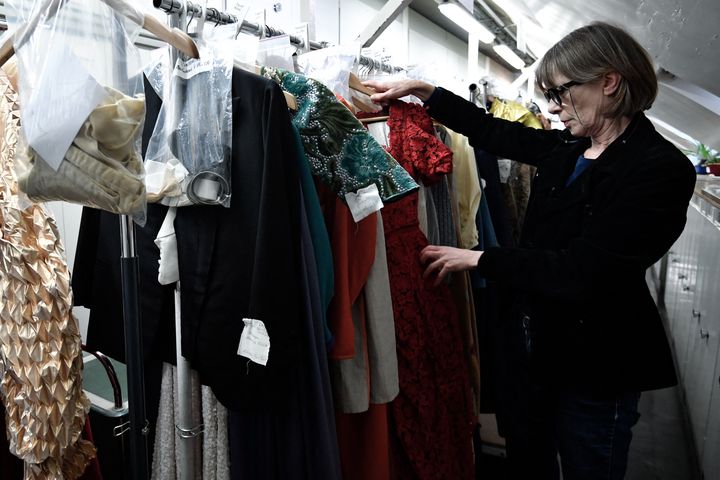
(497, 136)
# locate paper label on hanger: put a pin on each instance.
(63, 99)
(364, 202)
(254, 341)
(192, 66)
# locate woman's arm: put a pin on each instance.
(500, 137)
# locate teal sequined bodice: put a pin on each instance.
(341, 152)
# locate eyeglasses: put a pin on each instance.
(553, 94)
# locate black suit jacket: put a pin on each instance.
(242, 262)
(579, 272)
(238, 262)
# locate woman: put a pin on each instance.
(608, 200)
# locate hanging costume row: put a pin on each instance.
(396, 350)
(373, 371)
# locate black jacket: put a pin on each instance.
(243, 261)
(578, 274)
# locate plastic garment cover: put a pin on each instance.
(73, 104)
(40, 356)
(101, 168)
(331, 66)
(277, 52)
(188, 156)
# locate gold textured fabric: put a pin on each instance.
(40, 355)
(102, 167)
(514, 112)
(517, 190)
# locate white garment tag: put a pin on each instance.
(62, 100)
(254, 341)
(364, 202)
(192, 66)
(504, 166)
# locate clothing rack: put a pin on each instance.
(213, 15)
(180, 11)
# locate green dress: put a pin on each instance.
(341, 152)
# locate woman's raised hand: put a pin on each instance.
(397, 89)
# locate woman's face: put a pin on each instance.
(580, 109)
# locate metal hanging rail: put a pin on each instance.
(213, 15)
(378, 65)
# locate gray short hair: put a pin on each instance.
(590, 52)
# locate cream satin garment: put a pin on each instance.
(102, 167)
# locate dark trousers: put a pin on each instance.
(591, 434)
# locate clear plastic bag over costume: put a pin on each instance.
(82, 103)
(331, 66)
(189, 155)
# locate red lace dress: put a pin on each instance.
(432, 415)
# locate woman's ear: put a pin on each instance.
(611, 82)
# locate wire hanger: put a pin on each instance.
(175, 37)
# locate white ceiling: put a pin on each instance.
(681, 35)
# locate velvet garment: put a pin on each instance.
(341, 153)
(579, 271)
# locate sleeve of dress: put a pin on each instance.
(431, 158)
(434, 161)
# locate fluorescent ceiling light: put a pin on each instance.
(466, 21)
(509, 56)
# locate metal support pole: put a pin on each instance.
(185, 431)
(472, 57)
(472, 93)
(129, 271)
(484, 93)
